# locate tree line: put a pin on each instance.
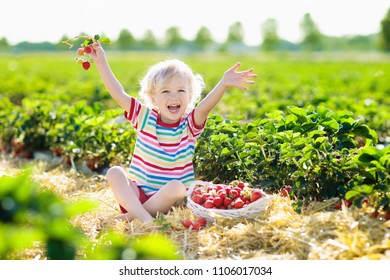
(312, 40)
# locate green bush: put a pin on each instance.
(313, 150)
(31, 216)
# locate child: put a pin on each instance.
(167, 127)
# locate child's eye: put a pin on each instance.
(182, 90)
(165, 91)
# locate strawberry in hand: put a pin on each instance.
(86, 54)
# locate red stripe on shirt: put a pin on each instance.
(162, 168)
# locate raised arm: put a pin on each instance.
(111, 83)
(231, 78)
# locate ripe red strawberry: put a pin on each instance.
(255, 195)
(202, 221)
(88, 49)
(209, 204)
(197, 198)
(86, 65)
(374, 214)
(387, 216)
(57, 152)
(219, 187)
(196, 226)
(227, 202)
(238, 203)
(205, 196)
(347, 203)
(239, 190)
(227, 190)
(197, 191)
(218, 201)
(241, 185)
(286, 191)
(233, 194)
(245, 199)
(187, 223)
(221, 194)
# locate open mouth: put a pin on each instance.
(174, 108)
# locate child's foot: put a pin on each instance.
(128, 218)
(124, 217)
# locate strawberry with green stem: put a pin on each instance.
(83, 53)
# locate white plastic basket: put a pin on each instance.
(251, 210)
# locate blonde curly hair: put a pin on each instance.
(161, 72)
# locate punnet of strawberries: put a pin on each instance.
(235, 195)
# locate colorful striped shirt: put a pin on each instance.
(163, 152)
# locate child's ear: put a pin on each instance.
(152, 99)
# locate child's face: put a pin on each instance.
(172, 98)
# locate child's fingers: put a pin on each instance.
(248, 73)
(235, 67)
(96, 46)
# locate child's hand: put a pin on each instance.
(232, 78)
(98, 54)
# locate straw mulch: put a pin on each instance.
(319, 232)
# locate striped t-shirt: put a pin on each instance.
(163, 152)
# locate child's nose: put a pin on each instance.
(175, 94)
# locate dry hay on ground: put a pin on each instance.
(319, 232)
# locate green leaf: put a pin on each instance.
(155, 246)
(385, 160)
(352, 194)
(105, 40)
(298, 111)
(276, 114)
(291, 119)
(321, 139)
(225, 151)
(347, 143)
(366, 158)
(368, 154)
(307, 127)
(96, 37)
(323, 112)
(330, 123)
(366, 132)
(315, 133)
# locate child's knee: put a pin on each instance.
(115, 172)
(178, 188)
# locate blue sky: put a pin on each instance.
(48, 20)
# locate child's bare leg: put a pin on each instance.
(127, 195)
(165, 198)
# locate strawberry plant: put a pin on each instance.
(25, 130)
(7, 124)
(372, 186)
(85, 133)
(312, 150)
(29, 215)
